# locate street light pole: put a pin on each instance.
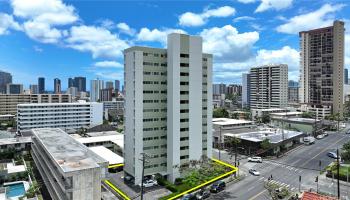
(143, 159)
(220, 144)
(338, 166)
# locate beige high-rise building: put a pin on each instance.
(322, 68)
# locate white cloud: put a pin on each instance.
(108, 64)
(227, 72)
(193, 19)
(311, 20)
(243, 18)
(97, 40)
(42, 32)
(38, 49)
(6, 23)
(246, 1)
(42, 18)
(273, 4)
(227, 44)
(124, 28)
(110, 76)
(156, 35)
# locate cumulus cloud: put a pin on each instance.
(243, 18)
(226, 72)
(42, 18)
(273, 5)
(156, 35)
(315, 19)
(124, 28)
(108, 64)
(110, 76)
(7, 22)
(194, 19)
(97, 40)
(227, 44)
(246, 1)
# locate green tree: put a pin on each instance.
(235, 115)
(265, 144)
(220, 113)
(346, 152)
(306, 115)
(33, 190)
(265, 118)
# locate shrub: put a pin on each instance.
(178, 181)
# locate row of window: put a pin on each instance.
(154, 73)
(154, 101)
(155, 147)
(154, 110)
(155, 54)
(155, 128)
(154, 119)
(154, 138)
(154, 82)
(154, 92)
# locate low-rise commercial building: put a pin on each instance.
(227, 125)
(305, 125)
(18, 144)
(9, 102)
(112, 142)
(67, 116)
(68, 168)
(279, 140)
(258, 113)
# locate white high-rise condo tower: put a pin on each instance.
(322, 68)
(168, 106)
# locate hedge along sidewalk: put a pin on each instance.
(234, 169)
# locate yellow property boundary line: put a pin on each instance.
(234, 169)
(117, 190)
(115, 166)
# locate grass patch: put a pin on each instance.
(343, 171)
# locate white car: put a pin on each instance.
(320, 136)
(255, 159)
(149, 183)
(254, 172)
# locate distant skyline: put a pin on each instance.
(62, 39)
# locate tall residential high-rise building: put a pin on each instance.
(346, 76)
(269, 86)
(41, 85)
(34, 89)
(12, 88)
(109, 85)
(57, 86)
(106, 94)
(95, 87)
(80, 83)
(117, 85)
(5, 78)
(168, 106)
(245, 90)
(293, 91)
(219, 89)
(70, 82)
(322, 67)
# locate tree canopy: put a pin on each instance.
(220, 113)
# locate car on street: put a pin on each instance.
(255, 159)
(348, 132)
(149, 183)
(217, 186)
(203, 194)
(321, 136)
(254, 172)
(332, 155)
(189, 197)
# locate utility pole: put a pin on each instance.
(338, 166)
(316, 183)
(219, 145)
(143, 158)
(299, 183)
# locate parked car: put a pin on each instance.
(149, 183)
(203, 194)
(309, 140)
(321, 136)
(217, 186)
(255, 159)
(189, 197)
(254, 172)
(348, 132)
(332, 155)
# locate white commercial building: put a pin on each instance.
(67, 116)
(168, 106)
(95, 87)
(245, 90)
(69, 169)
(269, 86)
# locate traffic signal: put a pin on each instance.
(316, 180)
(299, 178)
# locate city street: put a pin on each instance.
(302, 161)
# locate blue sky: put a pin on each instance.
(55, 38)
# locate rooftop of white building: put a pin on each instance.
(17, 140)
(286, 113)
(69, 154)
(275, 136)
(228, 121)
(269, 109)
(108, 155)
